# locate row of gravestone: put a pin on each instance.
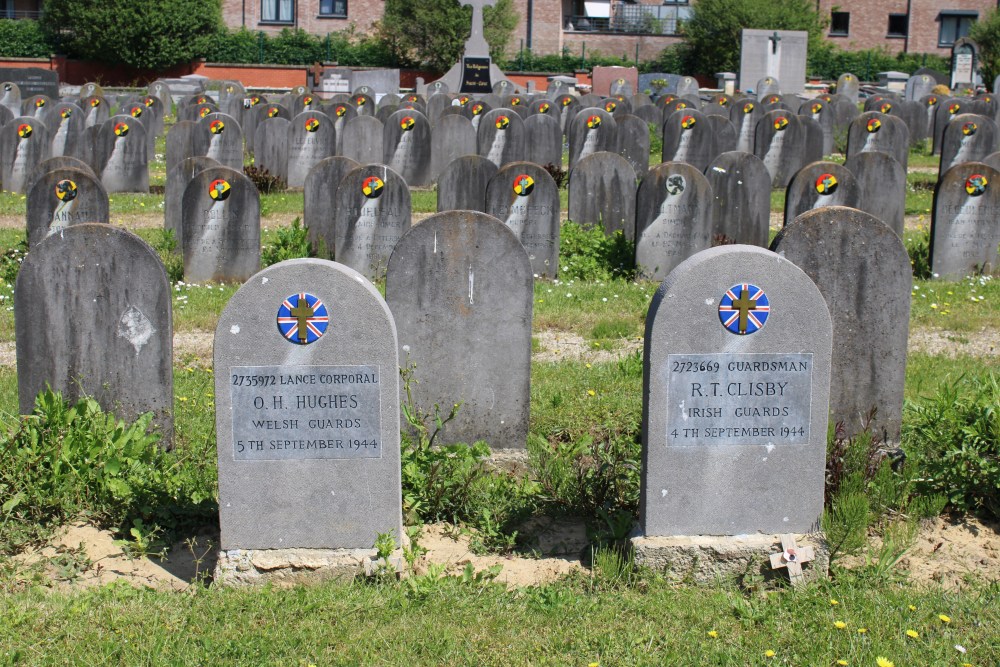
(738, 367)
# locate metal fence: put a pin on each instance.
(633, 19)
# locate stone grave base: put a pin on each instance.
(288, 567)
(707, 559)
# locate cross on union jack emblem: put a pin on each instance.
(302, 318)
(744, 309)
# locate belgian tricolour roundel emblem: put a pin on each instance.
(406, 123)
(65, 112)
(544, 107)
(463, 100)
(216, 127)
(372, 187)
(272, 112)
(826, 184)
(886, 107)
(968, 129)
(302, 318)
(66, 190)
(502, 122)
(341, 111)
(976, 184)
(687, 122)
(201, 100)
(610, 106)
(567, 100)
(96, 102)
(477, 109)
(681, 105)
(135, 111)
(204, 111)
(24, 130)
(121, 129)
(744, 309)
(748, 107)
(954, 108)
(307, 101)
(780, 123)
(39, 103)
(931, 101)
(594, 122)
(523, 185)
(312, 125)
(219, 189)
(254, 100)
(816, 108)
(773, 99)
(874, 125)
(149, 101)
(515, 101)
(360, 100)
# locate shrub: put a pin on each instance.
(587, 253)
(265, 182)
(23, 39)
(292, 242)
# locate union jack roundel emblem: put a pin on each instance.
(302, 318)
(744, 309)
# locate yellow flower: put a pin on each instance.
(843, 663)
(884, 662)
(769, 653)
(862, 631)
(833, 602)
(713, 634)
(593, 664)
(840, 625)
(182, 398)
(944, 618)
(587, 365)
(912, 608)
(591, 392)
(912, 634)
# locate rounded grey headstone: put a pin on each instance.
(500, 136)
(524, 197)
(968, 137)
(744, 114)
(63, 197)
(66, 123)
(460, 287)
(780, 142)
(320, 201)
(406, 146)
(463, 182)
(602, 191)
(10, 97)
(58, 162)
(673, 218)
(220, 137)
(361, 139)
(863, 271)
(544, 144)
(93, 318)
(173, 199)
(328, 476)
(741, 204)
(820, 184)
(452, 138)
(311, 138)
(372, 212)
(882, 182)
(121, 155)
(591, 130)
(634, 142)
(965, 237)
(874, 131)
(24, 143)
(688, 137)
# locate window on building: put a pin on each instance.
(277, 11)
(954, 24)
(898, 25)
(333, 8)
(840, 23)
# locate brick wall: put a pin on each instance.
(360, 15)
(650, 46)
(869, 23)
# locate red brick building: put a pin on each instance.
(316, 16)
(911, 26)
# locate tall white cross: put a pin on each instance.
(476, 45)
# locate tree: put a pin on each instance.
(148, 34)
(986, 34)
(432, 33)
(712, 34)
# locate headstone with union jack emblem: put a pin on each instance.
(736, 394)
(307, 414)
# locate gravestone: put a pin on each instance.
(873, 131)
(161, 90)
(24, 142)
(361, 139)
(741, 199)
(463, 182)
(780, 143)
(964, 64)
(180, 143)
(944, 110)
(341, 113)
(460, 281)
(220, 137)
(93, 318)
(819, 111)
(436, 104)
(10, 97)
(673, 218)
(863, 271)
(968, 137)
(452, 138)
(848, 86)
(688, 137)
(173, 199)
(882, 184)
(320, 201)
(220, 227)
(592, 130)
(778, 54)
(524, 197)
(66, 124)
(544, 140)
(500, 137)
(602, 188)
(406, 147)
(32, 80)
(767, 87)
(634, 142)
(736, 373)
(271, 147)
(820, 184)
(57, 162)
(372, 212)
(919, 86)
(63, 197)
(744, 115)
(965, 237)
(120, 155)
(311, 138)
(321, 483)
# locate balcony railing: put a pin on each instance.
(632, 19)
(19, 14)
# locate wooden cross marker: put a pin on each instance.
(302, 312)
(792, 557)
(744, 304)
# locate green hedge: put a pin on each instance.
(298, 47)
(830, 62)
(22, 39)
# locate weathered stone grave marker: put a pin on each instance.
(673, 218)
(524, 196)
(965, 237)
(63, 197)
(373, 211)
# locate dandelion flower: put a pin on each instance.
(591, 392)
(944, 618)
(593, 664)
(840, 625)
(912, 634)
(713, 634)
(834, 602)
(862, 631)
(843, 663)
(884, 662)
(913, 608)
(769, 653)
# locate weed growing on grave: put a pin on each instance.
(10, 262)
(290, 242)
(558, 174)
(655, 142)
(953, 438)
(918, 247)
(265, 182)
(587, 253)
(165, 245)
(65, 461)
